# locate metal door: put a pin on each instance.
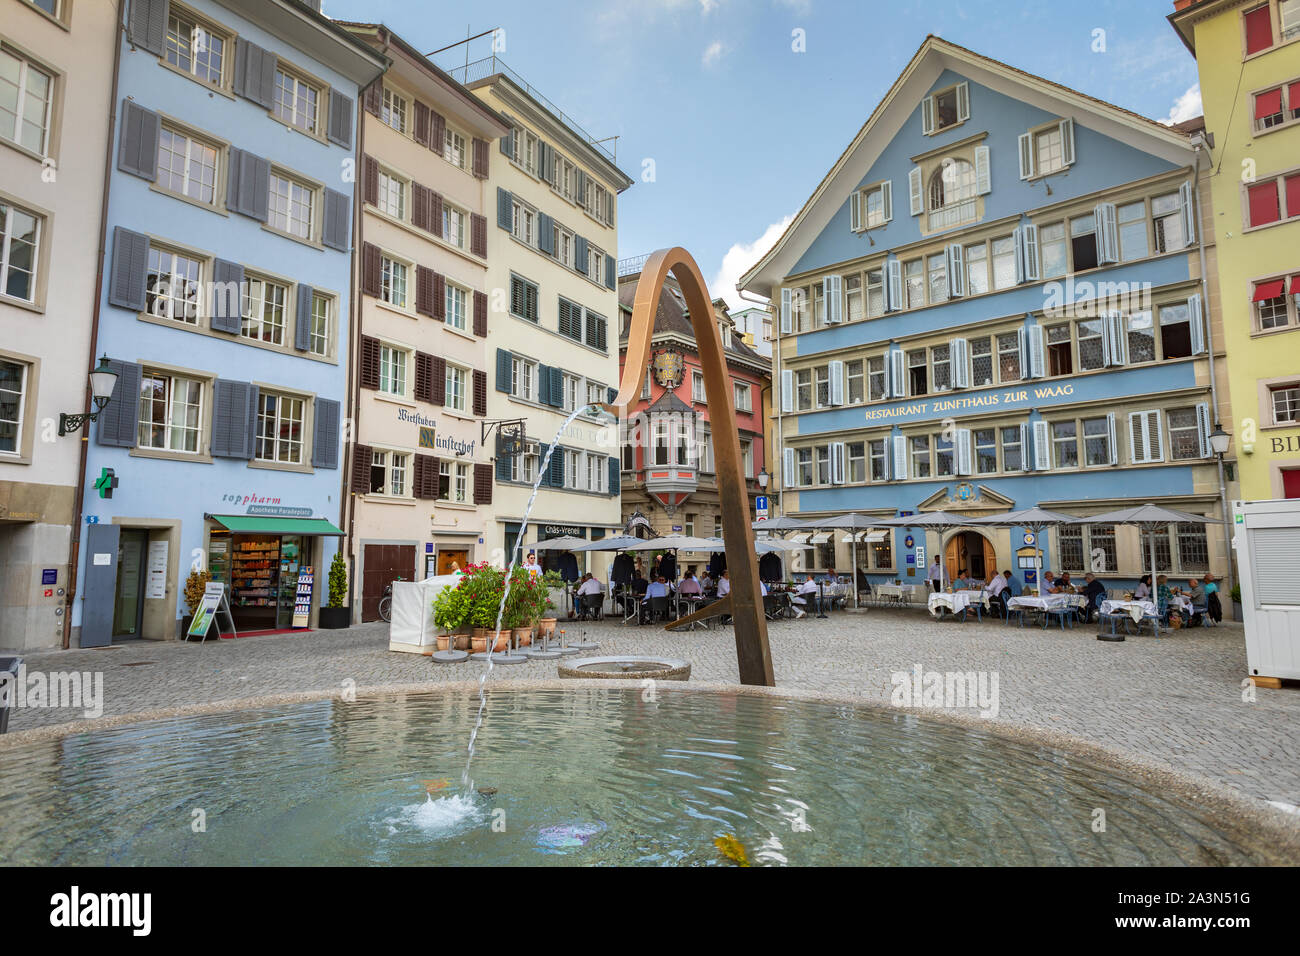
(99, 591)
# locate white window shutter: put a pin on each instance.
(894, 285)
(1203, 428)
(1067, 141)
(1022, 343)
(832, 294)
(956, 270)
(855, 214)
(1026, 462)
(963, 102)
(788, 468)
(1137, 440)
(897, 374)
(837, 463)
(1189, 212)
(837, 382)
(1026, 156)
(1029, 241)
(787, 323)
(1111, 442)
(983, 172)
(914, 191)
(959, 355)
(1107, 232)
(963, 451)
(1037, 352)
(900, 458)
(887, 199)
(1196, 323)
(787, 390)
(1155, 436)
(888, 460)
(927, 115)
(1114, 327)
(1042, 446)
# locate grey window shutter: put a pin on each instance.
(609, 272)
(250, 429)
(137, 146)
(116, 425)
(503, 462)
(338, 220)
(555, 472)
(126, 287)
(325, 434)
(231, 402)
(248, 186)
(302, 319)
(505, 213)
(613, 464)
(508, 144)
(148, 26)
(546, 234)
(503, 370)
(254, 77)
(557, 387)
(580, 254)
(227, 296)
(340, 125)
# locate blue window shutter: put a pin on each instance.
(254, 77)
(580, 254)
(611, 394)
(557, 387)
(508, 144)
(505, 214)
(137, 145)
(503, 370)
(609, 272)
(337, 229)
(546, 234)
(555, 473)
(248, 184)
(250, 430)
(116, 426)
(130, 264)
(234, 404)
(325, 434)
(147, 28)
(302, 318)
(340, 122)
(226, 313)
(613, 463)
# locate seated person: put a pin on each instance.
(658, 589)
(806, 589)
(1199, 599)
(590, 594)
(1050, 585)
(960, 582)
(724, 588)
(1165, 602)
(1064, 584)
(706, 582)
(1095, 592)
(1143, 591)
(1000, 590)
(690, 585)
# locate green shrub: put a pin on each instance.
(338, 583)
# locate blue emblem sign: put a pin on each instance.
(909, 541)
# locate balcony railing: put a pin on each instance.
(492, 65)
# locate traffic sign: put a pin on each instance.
(760, 507)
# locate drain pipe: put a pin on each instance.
(778, 457)
(1199, 145)
(74, 550)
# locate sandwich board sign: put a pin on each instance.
(214, 602)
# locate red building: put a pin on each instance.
(668, 464)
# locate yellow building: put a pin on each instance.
(1248, 54)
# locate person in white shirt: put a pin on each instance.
(590, 585)
(590, 595)
(935, 575)
(999, 590)
(531, 565)
(800, 600)
(724, 585)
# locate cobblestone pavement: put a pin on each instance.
(1177, 700)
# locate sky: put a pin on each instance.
(726, 128)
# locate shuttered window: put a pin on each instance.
(198, 49)
(523, 298)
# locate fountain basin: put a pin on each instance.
(627, 668)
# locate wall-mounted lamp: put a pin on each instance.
(102, 380)
(763, 478)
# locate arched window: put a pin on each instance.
(952, 194)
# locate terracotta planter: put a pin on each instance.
(523, 636)
(479, 644)
(546, 626)
(442, 641)
(462, 642)
(458, 641)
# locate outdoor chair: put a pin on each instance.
(1113, 618)
(658, 609)
(591, 608)
(1019, 613)
(1061, 614)
(774, 608)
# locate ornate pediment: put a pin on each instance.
(966, 497)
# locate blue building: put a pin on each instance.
(227, 278)
(994, 299)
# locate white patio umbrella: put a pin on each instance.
(940, 521)
(782, 523)
(672, 542)
(1148, 519)
(621, 542)
(1034, 519)
(567, 543)
(854, 522)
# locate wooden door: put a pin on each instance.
(381, 565)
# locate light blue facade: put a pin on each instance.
(1105, 169)
(184, 487)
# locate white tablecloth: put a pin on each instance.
(900, 591)
(1134, 609)
(956, 601)
(1044, 602)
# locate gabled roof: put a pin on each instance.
(1188, 12)
(933, 57)
(671, 319)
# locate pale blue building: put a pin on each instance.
(226, 293)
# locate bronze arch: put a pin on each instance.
(752, 652)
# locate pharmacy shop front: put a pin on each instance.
(259, 559)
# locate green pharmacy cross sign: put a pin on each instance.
(106, 482)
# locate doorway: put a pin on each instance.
(972, 552)
(381, 565)
(128, 597)
(446, 558)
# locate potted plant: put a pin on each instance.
(451, 612)
(195, 585)
(484, 585)
(334, 614)
(553, 595)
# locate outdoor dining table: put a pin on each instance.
(956, 602)
(1048, 601)
(897, 593)
(1134, 609)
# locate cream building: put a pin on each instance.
(52, 163)
(553, 319)
(420, 479)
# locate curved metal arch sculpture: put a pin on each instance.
(753, 655)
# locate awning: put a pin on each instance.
(1295, 285)
(1268, 103)
(264, 524)
(1268, 290)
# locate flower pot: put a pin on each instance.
(462, 642)
(502, 641)
(479, 644)
(523, 636)
(546, 626)
(332, 618)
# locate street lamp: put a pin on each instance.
(1219, 440)
(763, 478)
(102, 380)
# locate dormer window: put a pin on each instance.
(945, 109)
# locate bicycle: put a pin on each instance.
(386, 604)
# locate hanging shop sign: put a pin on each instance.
(669, 367)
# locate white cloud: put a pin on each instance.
(739, 259)
(1187, 106)
(712, 53)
